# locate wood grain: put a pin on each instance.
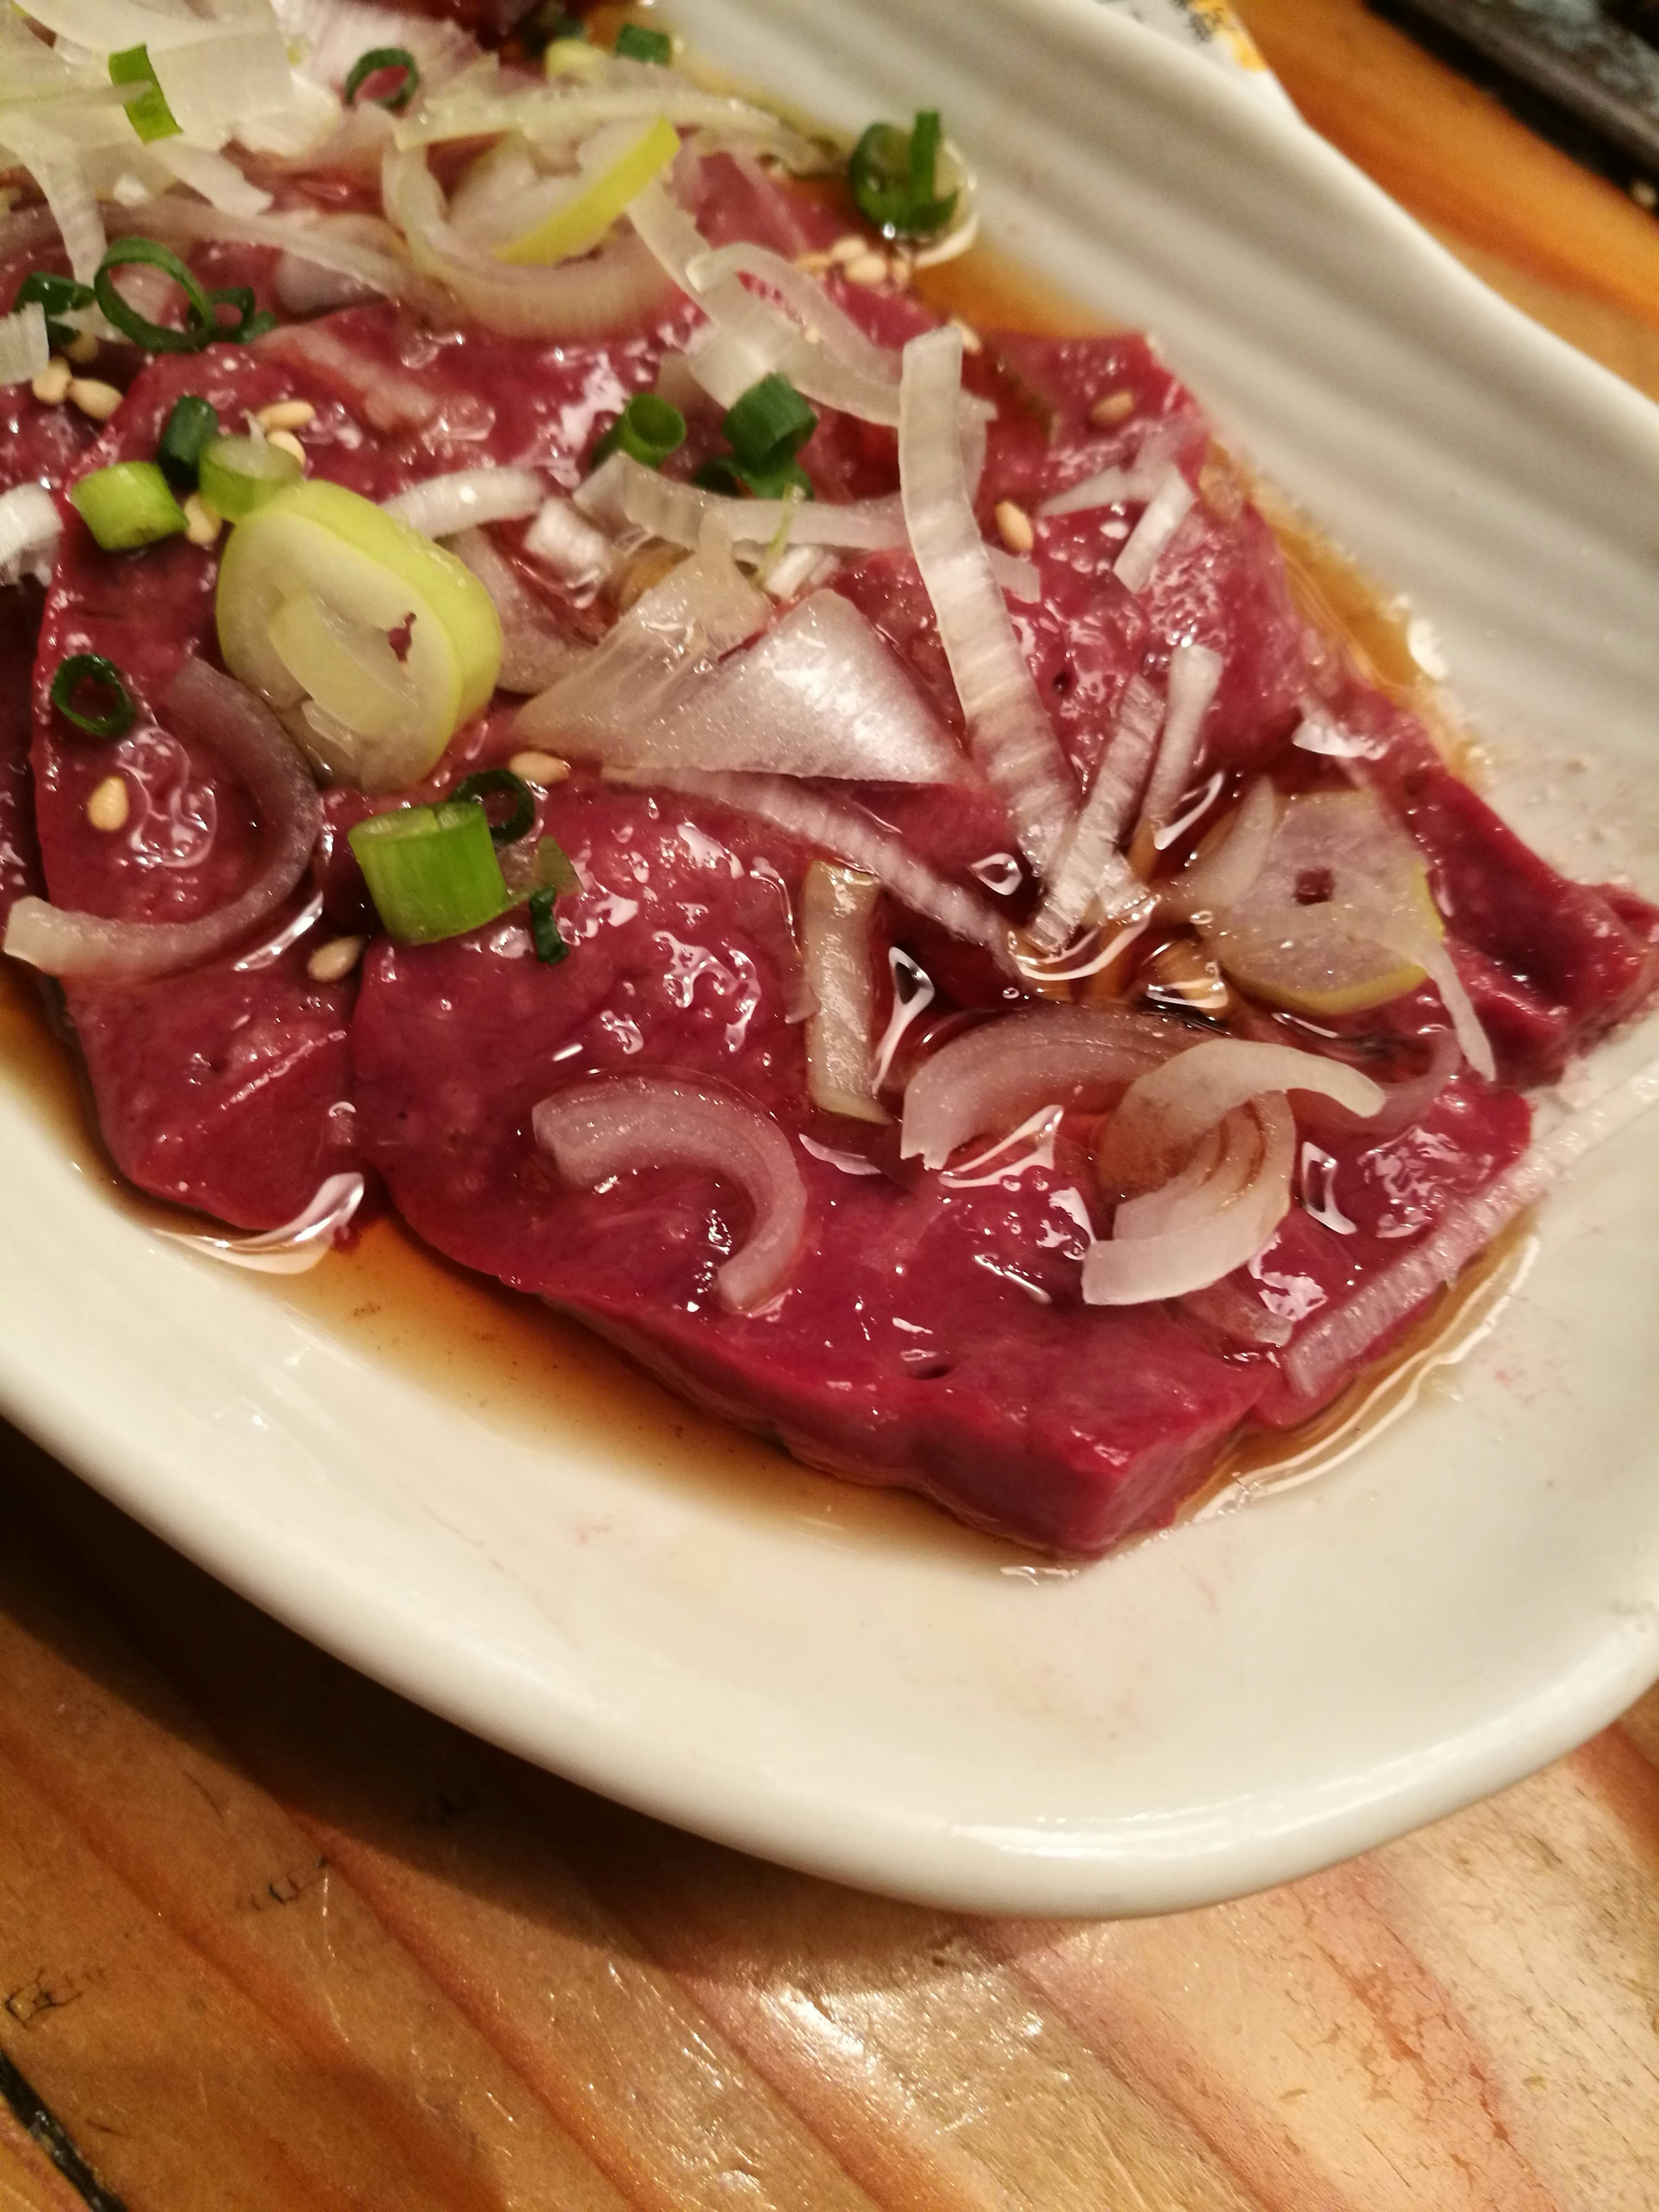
(272, 1939)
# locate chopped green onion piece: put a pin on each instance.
(648, 427)
(371, 63)
(56, 295)
(487, 783)
(635, 44)
(200, 325)
(128, 505)
(431, 871)
(769, 423)
(248, 324)
(548, 25)
(893, 176)
(545, 932)
(150, 114)
(92, 668)
(723, 473)
(238, 475)
(194, 420)
(553, 871)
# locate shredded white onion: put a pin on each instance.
(254, 743)
(1227, 874)
(1009, 732)
(465, 498)
(1436, 962)
(1165, 512)
(535, 652)
(806, 300)
(851, 835)
(986, 1081)
(562, 115)
(220, 182)
(389, 399)
(339, 243)
(836, 909)
(1199, 1232)
(1194, 678)
(30, 526)
(52, 161)
(295, 1248)
(23, 349)
(620, 1124)
(1089, 866)
(1113, 487)
(578, 554)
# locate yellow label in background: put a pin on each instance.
(1211, 28)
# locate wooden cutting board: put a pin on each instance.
(272, 1940)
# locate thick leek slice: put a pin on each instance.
(578, 223)
(327, 603)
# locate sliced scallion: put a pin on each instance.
(250, 322)
(768, 425)
(128, 505)
(148, 114)
(725, 474)
(545, 932)
(371, 64)
(92, 668)
(200, 325)
(56, 296)
(487, 783)
(635, 44)
(431, 871)
(893, 176)
(192, 423)
(238, 475)
(648, 429)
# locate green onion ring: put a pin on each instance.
(201, 325)
(767, 425)
(500, 783)
(249, 324)
(371, 63)
(648, 429)
(545, 932)
(55, 294)
(92, 668)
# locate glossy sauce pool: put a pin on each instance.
(534, 1375)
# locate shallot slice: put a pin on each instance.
(254, 744)
(1218, 1226)
(618, 1124)
(995, 1076)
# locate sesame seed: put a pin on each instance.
(286, 442)
(971, 340)
(331, 962)
(202, 522)
(814, 264)
(286, 415)
(544, 769)
(1015, 525)
(51, 387)
(848, 249)
(83, 348)
(98, 400)
(110, 803)
(1115, 407)
(868, 268)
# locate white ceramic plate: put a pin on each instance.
(870, 1695)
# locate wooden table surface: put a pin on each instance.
(272, 1940)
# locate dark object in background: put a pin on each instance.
(1583, 76)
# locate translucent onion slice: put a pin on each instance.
(1114, 486)
(562, 115)
(1089, 867)
(220, 182)
(806, 300)
(648, 663)
(52, 159)
(1163, 1114)
(1009, 731)
(614, 167)
(618, 289)
(30, 526)
(564, 541)
(1227, 873)
(993, 1077)
(1165, 512)
(1218, 1226)
(621, 1124)
(853, 836)
(1194, 678)
(295, 1248)
(535, 652)
(464, 498)
(389, 399)
(1404, 1103)
(837, 906)
(24, 351)
(351, 245)
(255, 746)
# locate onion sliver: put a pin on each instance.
(295, 1248)
(1009, 732)
(1089, 866)
(465, 497)
(1115, 487)
(1404, 1104)
(54, 162)
(1214, 1238)
(23, 349)
(335, 243)
(1194, 676)
(1165, 513)
(617, 289)
(836, 907)
(30, 526)
(1164, 1113)
(990, 1079)
(535, 652)
(852, 836)
(621, 1123)
(253, 743)
(807, 301)
(389, 399)
(552, 117)
(562, 539)
(220, 182)
(1223, 876)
